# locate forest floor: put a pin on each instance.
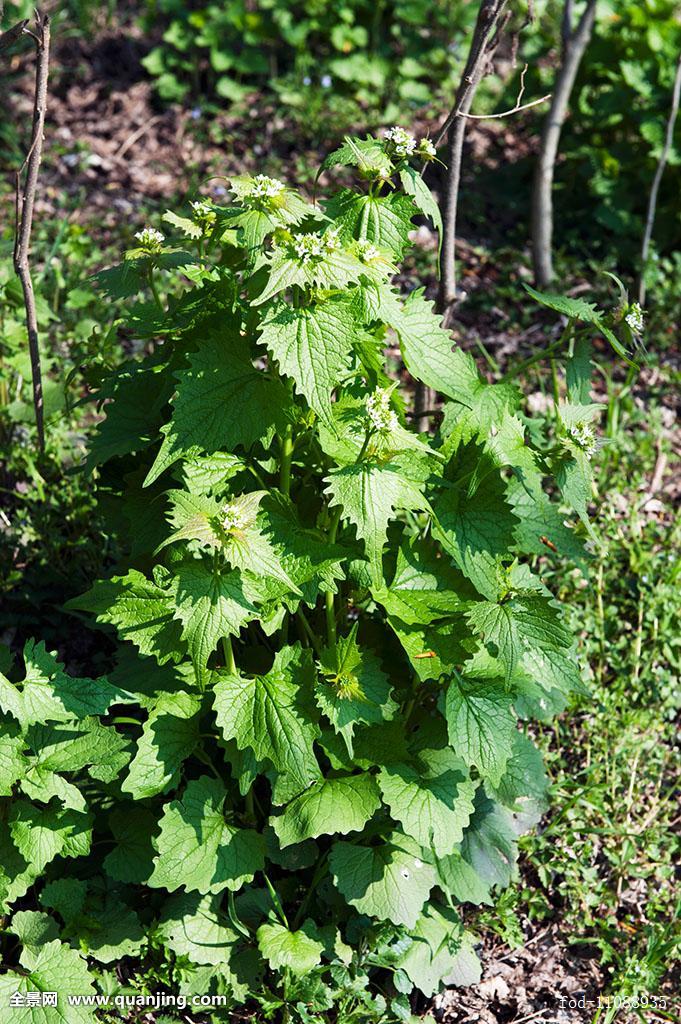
(114, 160)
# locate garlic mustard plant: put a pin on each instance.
(327, 635)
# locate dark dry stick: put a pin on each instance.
(482, 46)
(24, 208)
(652, 202)
(575, 43)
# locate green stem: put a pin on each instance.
(329, 597)
(286, 458)
(154, 290)
(307, 630)
(228, 652)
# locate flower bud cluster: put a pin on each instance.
(583, 436)
(366, 252)
(233, 518)
(378, 411)
(401, 143)
(634, 318)
(150, 239)
(312, 245)
(203, 213)
(266, 188)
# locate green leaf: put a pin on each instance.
(198, 850)
(367, 154)
(168, 737)
(439, 949)
(541, 520)
(33, 929)
(414, 185)
(481, 726)
(475, 525)
(384, 220)
(335, 268)
(574, 309)
(424, 588)
(270, 715)
(299, 951)
(312, 345)
(429, 351)
(337, 805)
(135, 396)
(41, 833)
(521, 624)
(54, 968)
(131, 860)
(390, 882)
(48, 694)
(194, 926)
(369, 493)
(433, 807)
(524, 784)
(460, 880)
(490, 843)
(69, 747)
(222, 402)
(210, 604)
(13, 763)
(141, 611)
(355, 690)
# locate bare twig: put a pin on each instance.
(575, 43)
(513, 110)
(485, 37)
(24, 204)
(137, 134)
(652, 202)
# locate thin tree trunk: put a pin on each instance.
(24, 207)
(652, 202)
(454, 129)
(575, 43)
(486, 26)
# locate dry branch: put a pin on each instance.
(25, 202)
(655, 188)
(575, 42)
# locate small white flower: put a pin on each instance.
(634, 318)
(367, 252)
(263, 187)
(326, 81)
(331, 239)
(311, 245)
(203, 213)
(150, 238)
(379, 413)
(399, 141)
(583, 436)
(233, 518)
(427, 150)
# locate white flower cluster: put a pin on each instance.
(634, 318)
(233, 518)
(367, 252)
(583, 436)
(399, 141)
(311, 245)
(203, 211)
(427, 150)
(402, 143)
(150, 238)
(263, 187)
(378, 410)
